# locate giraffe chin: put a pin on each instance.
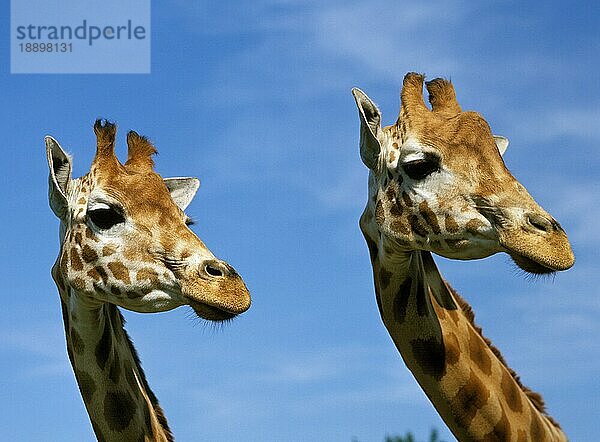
(538, 254)
(209, 312)
(530, 266)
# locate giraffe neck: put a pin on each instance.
(119, 402)
(476, 394)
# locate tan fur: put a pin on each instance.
(535, 398)
(446, 190)
(140, 153)
(124, 237)
(442, 96)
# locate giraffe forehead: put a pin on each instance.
(142, 196)
(465, 134)
(136, 186)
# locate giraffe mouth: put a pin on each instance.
(210, 312)
(530, 266)
(538, 254)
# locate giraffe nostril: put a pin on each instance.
(213, 271)
(540, 223)
(216, 269)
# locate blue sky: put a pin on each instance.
(254, 99)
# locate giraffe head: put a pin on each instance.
(438, 183)
(125, 236)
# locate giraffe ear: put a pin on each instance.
(60, 167)
(182, 190)
(370, 128)
(501, 143)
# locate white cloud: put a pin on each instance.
(389, 39)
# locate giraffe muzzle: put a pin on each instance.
(215, 290)
(538, 244)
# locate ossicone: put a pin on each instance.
(105, 140)
(140, 151)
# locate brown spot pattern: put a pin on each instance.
(119, 271)
(470, 398)
(429, 216)
(76, 263)
(390, 193)
(451, 225)
(407, 201)
(94, 274)
(512, 395)
(501, 431)
(89, 255)
(473, 225)
(399, 226)
(87, 385)
(108, 250)
(90, 235)
(104, 347)
(396, 209)
(417, 226)
(148, 274)
(78, 284)
(536, 432)
(478, 353)
(401, 300)
(452, 348)
(119, 408)
(98, 272)
(430, 355)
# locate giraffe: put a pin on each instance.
(125, 241)
(438, 184)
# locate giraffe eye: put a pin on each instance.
(105, 217)
(420, 169)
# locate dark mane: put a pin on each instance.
(534, 397)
